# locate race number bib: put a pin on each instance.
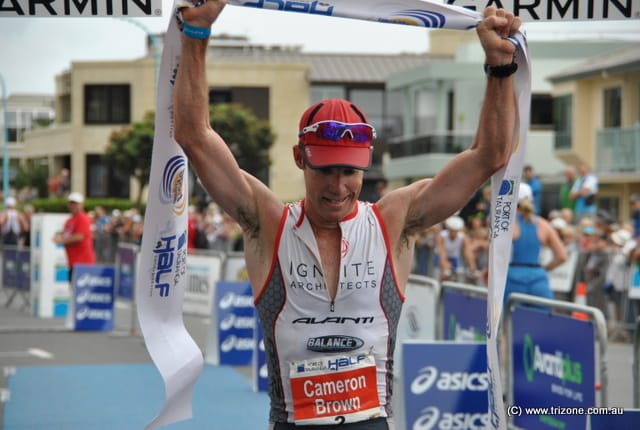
(334, 389)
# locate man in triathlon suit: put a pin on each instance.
(328, 273)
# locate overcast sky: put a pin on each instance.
(34, 50)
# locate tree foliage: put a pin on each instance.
(130, 148)
(34, 175)
(248, 137)
(129, 151)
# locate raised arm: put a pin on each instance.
(428, 202)
(242, 196)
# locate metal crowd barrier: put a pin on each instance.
(469, 289)
(15, 274)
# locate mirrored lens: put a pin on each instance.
(335, 131)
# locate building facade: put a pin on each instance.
(278, 83)
(25, 113)
(443, 99)
(598, 119)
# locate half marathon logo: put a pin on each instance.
(80, 8)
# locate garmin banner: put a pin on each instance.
(445, 385)
(93, 302)
(231, 338)
(551, 368)
(78, 8)
(464, 317)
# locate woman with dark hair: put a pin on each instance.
(530, 234)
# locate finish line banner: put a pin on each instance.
(409, 12)
(434, 14)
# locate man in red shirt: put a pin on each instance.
(76, 236)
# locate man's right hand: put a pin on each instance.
(204, 15)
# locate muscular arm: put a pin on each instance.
(235, 191)
(247, 200)
(429, 201)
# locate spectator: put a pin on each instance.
(479, 238)
(379, 190)
(635, 214)
(12, 223)
(425, 250)
(566, 202)
(567, 215)
(531, 232)
(64, 186)
(101, 235)
(28, 211)
(595, 266)
(536, 187)
(617, 277)
(192, 227)
(137, 227)
(584, 193)
(483, 206)
(453, 250)
(76, 237)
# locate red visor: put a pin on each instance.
(322, 152)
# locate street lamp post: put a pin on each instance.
(5, 141)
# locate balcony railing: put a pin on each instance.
(442, 143)
(618, 150)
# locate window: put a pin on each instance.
(323, 92)
(562, 112)
(541, 111)
(612, 106)
(107, 104)
(426, 108)
(103, 181)
(217, 96)
(371, 101)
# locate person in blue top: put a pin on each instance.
(536, 187)
(531, 232)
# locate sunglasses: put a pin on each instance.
(335, 130)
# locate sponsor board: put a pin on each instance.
(551, 368)
(94, 295)
(464, 317)
(235, 322)
(445, 385)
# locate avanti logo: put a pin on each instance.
(558, 365)
(457, 332)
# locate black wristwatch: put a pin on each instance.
(501, 71)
